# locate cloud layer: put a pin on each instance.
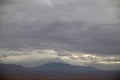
(29, 57)
(91, 26)
(78, 32)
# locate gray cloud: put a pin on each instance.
(90, 26)
(32, 57)
(2, 2)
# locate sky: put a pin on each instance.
(79, 32)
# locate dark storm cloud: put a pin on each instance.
(90, 26)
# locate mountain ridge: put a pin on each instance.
(55, 71)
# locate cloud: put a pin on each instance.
(90, 26)
(32, 57)
(27, 57)
(79, 32)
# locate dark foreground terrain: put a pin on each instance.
(29, 76)
(55, 71)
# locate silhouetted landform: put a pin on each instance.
(55, 71)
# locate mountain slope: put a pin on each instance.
(62, 67)
(55, 71)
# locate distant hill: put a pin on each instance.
(6, 69)
(62, 67)
(55, 71)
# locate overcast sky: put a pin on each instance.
(82, 26)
